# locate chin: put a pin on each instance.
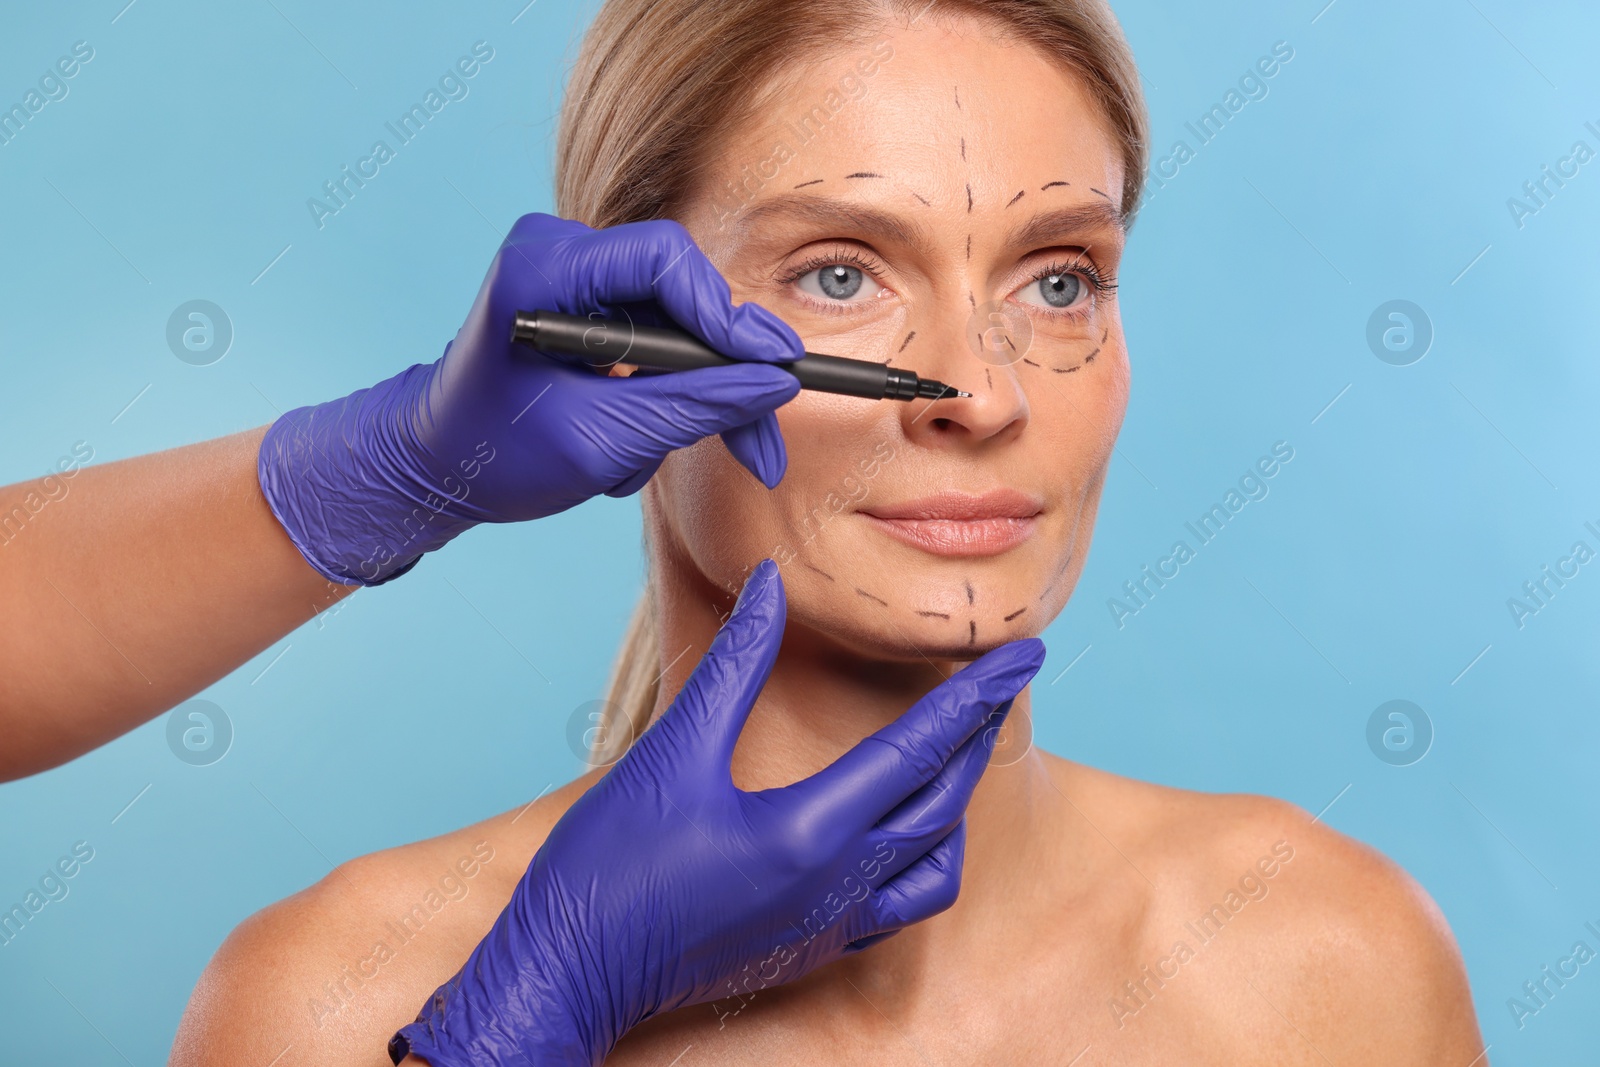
(872, 594)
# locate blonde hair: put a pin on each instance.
(657, 81)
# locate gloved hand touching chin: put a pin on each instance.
(666, 886)
(493, 432)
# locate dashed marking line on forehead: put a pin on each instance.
(1028, 361)
(958, 98)
(1014, 199)
(924, 200)
(813, 181)
(963, 149)
(862, 174)
(969, 246)
(1052, 185)
(1097, 192)
(987, 379)
(933, 614)
(1104, 334)
(969, 199)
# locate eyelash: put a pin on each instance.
(1101, 284)
(853, 258)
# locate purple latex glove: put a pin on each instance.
(495, 432)
(666, 886)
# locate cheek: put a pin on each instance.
(1075, 418)
(1109, 397)
(702, 490)
(727, 521)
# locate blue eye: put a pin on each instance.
(1061, 290)
(838, 282)
(1074, 285)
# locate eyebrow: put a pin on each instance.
(1047, 225)
(833, 211)
(1043, 228)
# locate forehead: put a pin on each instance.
(934, 107)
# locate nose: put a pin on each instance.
(967, 352)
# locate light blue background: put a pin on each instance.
(1378, 167)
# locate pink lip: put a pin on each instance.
(959, 524)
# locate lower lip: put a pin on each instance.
(958, 537)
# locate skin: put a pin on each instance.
(1075, 880)
(152, 618)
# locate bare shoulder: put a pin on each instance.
(326, 976)
(1303, 928)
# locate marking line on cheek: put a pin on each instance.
(963, 149)
(1051, 584)
(820, 571)
(969, 199)
(1014, 614)
(869, 596)
(907, 341)
(1029, 362)
(972, 631)
(969, 246)
(934, 614)
(1086, 359)
(958, 98)
(968, 584)
(986, 379)
(1014, 199)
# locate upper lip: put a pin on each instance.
(995, 504)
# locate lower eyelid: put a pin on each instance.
(828, 307)
(1078, 311)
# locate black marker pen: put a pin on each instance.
(602, 342)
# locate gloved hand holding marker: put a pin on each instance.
(666, 886)
(603, 342)
(367, 484)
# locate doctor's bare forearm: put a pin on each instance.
(132, 585)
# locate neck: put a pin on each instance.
(819, 701)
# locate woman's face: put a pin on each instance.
(950, 202)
